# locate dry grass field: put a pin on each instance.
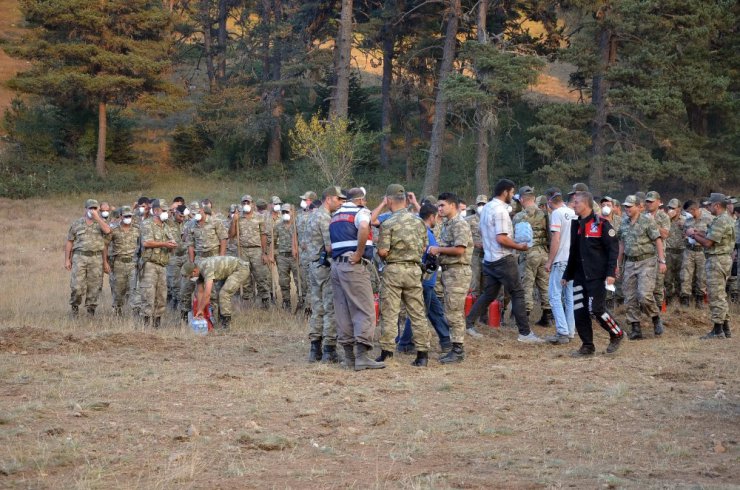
(107, 404)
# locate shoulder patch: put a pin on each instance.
(612, 233)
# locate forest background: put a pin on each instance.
(437, 94)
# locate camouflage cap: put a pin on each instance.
(334, 190)
(652, 196)
(159, 204)
(194, 206)
(715, 197)
(525, 190)
(247, 197)
(578, 187)
(260, 202)
(541, 201)
(276, 200)
(115, 214)
(91, 203)
(285, 207)
(631, 200)
(616, 202)
(606, 199)
(126, 211)
(482, 198)
(188, 268)
(431, 199)
(640, 196)
(674, 203)
(552, 192)
(395, 190)
(309, 195)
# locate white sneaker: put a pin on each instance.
(473, 332)
(530, 339)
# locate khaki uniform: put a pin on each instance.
(287, 265)
(693, 271)
(476, 261)
(123, 240)
(405, 236)
(178, 257)
(205, 239)
(456, 274)
(87, 262)
(251, 228)
(153, 281)
(719, 265)
(532, 262)
(664, 223)
(640, 266)
(228, 275)
(321, 324)
(674, 247)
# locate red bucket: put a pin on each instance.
(494, 314)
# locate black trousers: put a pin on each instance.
(589, 300)
(504, 272)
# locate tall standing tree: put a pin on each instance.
(101, 53)
(340, 94)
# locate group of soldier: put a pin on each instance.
(422, 258)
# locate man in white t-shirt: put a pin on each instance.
(561, 296)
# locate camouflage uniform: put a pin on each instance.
(178, 257)
(456, 274)
(287, 265)
(674, 257)
(640, 266)
(228, 275)
(532, 262)
(301, 227)
(153, 281)
(321, 325)
(405, 236)
(124, 240)
(719, 265)
(664, 223)
(693, 271)
(476, 262)
(87, 263)
(205, 239)
(251, 228)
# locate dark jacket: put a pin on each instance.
(594, 248)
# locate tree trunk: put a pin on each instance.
(208, 43)
(408, 140)
(599, 94)
(434, 162)
(340, 99)
(275, 96)
(697, 117)
(102, 135)
(222, 38)
(385, 118)
(482, 144)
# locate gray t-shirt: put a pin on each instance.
(560, 220)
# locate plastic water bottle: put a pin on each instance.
(199, 325)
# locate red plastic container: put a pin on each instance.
(469, 301)
(494, 314)
(376, 299)
(206, 312)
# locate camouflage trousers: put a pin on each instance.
(639, 288)
(476, 272)
(287, 268)
(122, 275)
(174, 276)
(718, 269)
(533, 274)
(322, 324)
(86, 280)
(260, 274)
(153, 289)
(693, 273)
(402, 286)
(305, 287)
(659, 290)
(673, 259)
(456, 280)
(222, 301)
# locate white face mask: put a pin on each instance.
(104, 214)
(164, 215)
(304, 204)
(286, 217)
(606, 210)
(89, 215)
(142, 210)
(479, 209)
(247, 208)
(186, 212)
(126, 221)
(276, 208)
(197, 216)
(194, 279)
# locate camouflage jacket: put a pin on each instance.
(404, 236)
(284, 235)
(537, 219)
(152, 231)
(675, 239)
(207, 236)
(177, 230)
(219, 268)
(722, 233)
(456, 233)
(638, 237)
(474, 222)
(86, 237)
(251, 229)
(124, 242)
(317, 233)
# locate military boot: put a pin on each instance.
(265, 303)
(157, 322)
(286, 304)
(349, 356)
(726, 329)
(330, 354)
(614, 342)
(685, 301)
(699, 302)
(457, 354)
(75, 311)
(90, 311)
(716, 333)
(363, 359)
(184, 315)
(314, 355)
(735, 298)
(422, 359)
(225, 322)
(658, 326)
(117, 311)
(384, 354)
(147, 320)
(636, 332)
(546, 319)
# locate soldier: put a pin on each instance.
(402, 242)
(735, 291)
(251, 231)
(83, 255)
(476, 262)
(124, 240)
(455, 251)
(227, 273)
(105, 211)
(693, 271)
(322, 327)
(178, 256)
(652, 205)
(639, 239)
(157, 242)
(287, 254)
(532, 262)
(192, 216)
(142, 210)
(719, 242)
(674, 251)
(301, 221)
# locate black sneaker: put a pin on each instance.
(614, 344)
(584, 351)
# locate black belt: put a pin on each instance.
(345, 258)
(87, 254)
(405, 262)
(695, 248)
(638, 258)
(207, 254)
(123, 260)
(675, 250)
(444, 267)
(180, 254)
(285, 254)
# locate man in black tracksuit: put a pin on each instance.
(591, 265)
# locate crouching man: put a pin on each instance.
(230, 273)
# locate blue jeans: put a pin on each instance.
(436, 316)
(561, 301)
